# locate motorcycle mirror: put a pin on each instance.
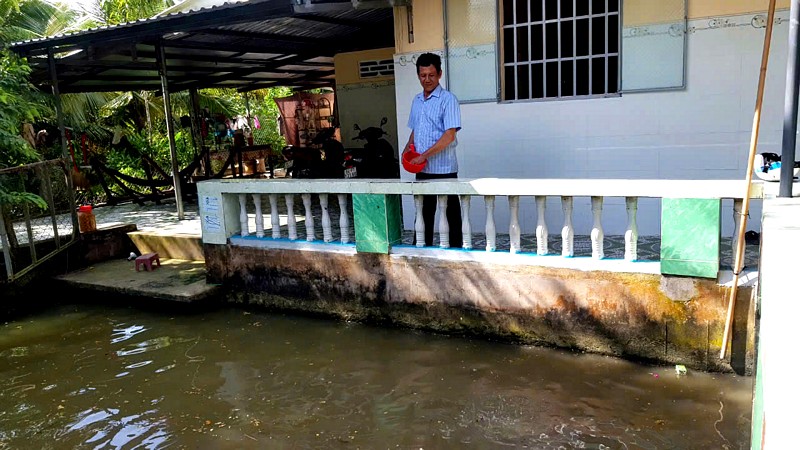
(384, 121)
(356, 127)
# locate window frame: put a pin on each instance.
(501, 64)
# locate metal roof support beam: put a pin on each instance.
(173, 152)
(62, 130)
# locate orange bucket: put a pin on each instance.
(412, 168)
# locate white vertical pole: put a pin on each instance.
(310, 233)
(243, 214)
(466, 226)
(419, 222)
(491, 233)
(444, 227)
(327, 234)
(513, 227)
(274, 216)
(632, 233)
(597, 228)
(344, 220)
(290, 218)
(259, 216)
(567, 231)
(542, 234)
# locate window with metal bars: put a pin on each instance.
(560, 49)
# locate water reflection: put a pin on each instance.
(85, 377)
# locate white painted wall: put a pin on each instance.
(702, 132)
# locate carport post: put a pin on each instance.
(173, 152)
(51, 60)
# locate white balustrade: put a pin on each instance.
(291, 221)
(491, 234)
(597, 229)
(344, 220)
(632, 233)
(419, 224)
(542, 234)
(466, 227)
(444, 227)
(514, 234)
(259, 216)
(245, 231)
(327, 234)
(310, 233)
(567, 231)
(275, 218)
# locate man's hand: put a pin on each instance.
(419, 159)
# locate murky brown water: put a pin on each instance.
(100, 377)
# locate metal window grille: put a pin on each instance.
(560, 48)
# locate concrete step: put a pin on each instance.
(168, 244)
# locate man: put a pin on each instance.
(434, 120)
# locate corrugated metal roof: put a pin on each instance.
(246, 44)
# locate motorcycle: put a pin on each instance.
(323, 159)
(377, 159)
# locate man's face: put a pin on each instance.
(428, 78)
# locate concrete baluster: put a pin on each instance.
(419, 222)
(274, 216)
(259, 216)
(310, 233)
(344, 219)
(632, 233)
(542, 234)
(737, 223)
(513, 227)
(567, 231)
(597, 228)
(466, 226)
(243, 214)
(444, 227)
(327, 234)
(290, 218)
(491, 234)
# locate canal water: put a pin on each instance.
(100, 377)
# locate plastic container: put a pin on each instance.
(408, 156)
(86, 219)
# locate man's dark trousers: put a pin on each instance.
(429, 210)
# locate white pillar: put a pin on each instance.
(491, 234)
(274, 216)
(444, 227)
(327, 234)
(243, 214)
(542, 234)
(567, 231)
(259, 216)
(419, 222)
(597, 228)
(513, 226)
(632, 233)
(290, 218)
(310, 233)
(344, 219)
(466, 226)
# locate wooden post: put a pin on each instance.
(173, 152)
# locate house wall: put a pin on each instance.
(700, 132)
(364, 101)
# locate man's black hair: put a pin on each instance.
(429, 59)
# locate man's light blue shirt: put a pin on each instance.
(429, 119)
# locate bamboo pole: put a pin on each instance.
(740, 241)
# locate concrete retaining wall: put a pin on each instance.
(665, 320)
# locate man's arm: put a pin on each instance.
(447, 138)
